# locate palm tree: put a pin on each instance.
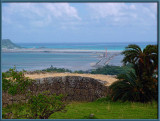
(129, 88)
(146, 59)
(142, 85)
(145, 62)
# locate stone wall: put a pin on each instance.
(76, 88)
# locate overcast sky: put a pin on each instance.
(79, 22)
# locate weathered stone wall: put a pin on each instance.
(8, 99)
(75, 87)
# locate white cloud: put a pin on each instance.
(123, 12)
(62, 10)
(150, 10)
(39, 14)
(64, 15)
(102, 10)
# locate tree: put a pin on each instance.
(146, 60)
(129, 88)
(145, 82)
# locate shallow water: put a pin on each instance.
(35, 61)
(72, 61)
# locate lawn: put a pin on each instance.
(108, 110)
(101, 110)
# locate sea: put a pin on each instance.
(72, 61)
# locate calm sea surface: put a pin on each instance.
(81, 46)
(73, 61)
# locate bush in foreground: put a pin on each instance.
(39, 105)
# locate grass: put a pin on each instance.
(101, 110)
(108, 110)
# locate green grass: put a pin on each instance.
(108, 110)
(102, 110)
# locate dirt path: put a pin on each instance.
(109, 78)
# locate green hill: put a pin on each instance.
(8, 44)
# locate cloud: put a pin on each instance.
(65, 15)
(38, 14)
(150, 10)
(123, 12)
(62, 10)
(102, 10)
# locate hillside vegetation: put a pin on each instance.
(8, 44)
(106, 70)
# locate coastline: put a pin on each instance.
(48, 50)
(82, 62)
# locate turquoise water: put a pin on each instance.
(33, 61)
(73, 61)
(81, 46)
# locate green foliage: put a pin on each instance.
(112, 70)
(6, 83)
(41, 106)
(141, 85)
(107, 70)
(15, 82)
(54, 69)
(7, 43)
(145, 61)
(80, 72)
(102, 110)
(129, 88)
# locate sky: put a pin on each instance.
(79, 22)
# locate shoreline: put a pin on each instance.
(48, 50)
(97, 54)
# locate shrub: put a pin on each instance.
(41, 106)
(112, 70)
(15, 82)
(54, 69)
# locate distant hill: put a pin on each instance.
(8, 44)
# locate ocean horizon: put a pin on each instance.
(73, 61)
(119, 46)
